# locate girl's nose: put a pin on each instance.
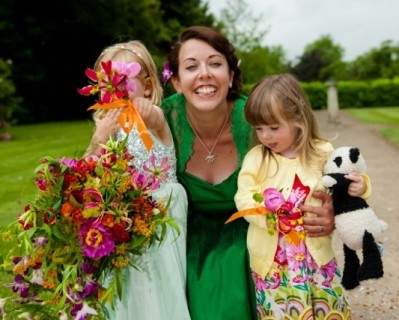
(266, 135)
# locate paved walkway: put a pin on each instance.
(373, 299)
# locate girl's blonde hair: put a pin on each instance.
(280, 97)
(133, 51)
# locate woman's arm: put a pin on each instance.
(322, 224)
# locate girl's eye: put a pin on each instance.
(274, 128)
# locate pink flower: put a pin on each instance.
(166, 73)
(159, 172)
(273, 198)
(95, 239)
(114, 81)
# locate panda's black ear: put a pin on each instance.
(354, 154)
(338, 161)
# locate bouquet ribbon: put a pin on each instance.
(239, 214)
(127, 118)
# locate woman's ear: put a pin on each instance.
(176, 84)
(231, 77)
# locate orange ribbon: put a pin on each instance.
(127, 118)
(258, 211)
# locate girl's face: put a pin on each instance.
(278, 137)
(203, 76)
(142, 88)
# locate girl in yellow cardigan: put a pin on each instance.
(296, 276)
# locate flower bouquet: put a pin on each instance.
(91, 218)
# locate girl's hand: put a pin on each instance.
(105, 127)
(144, 107)
(323, 223)
(358, 186)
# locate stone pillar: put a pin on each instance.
(332, 102)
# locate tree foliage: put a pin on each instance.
(321, 61)
(50, 46)
(242, 28)
(382, 62)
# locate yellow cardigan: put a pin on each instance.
(261, 245)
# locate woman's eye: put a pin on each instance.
(191, 67)
(216, 64)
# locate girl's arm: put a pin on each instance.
(154, 119)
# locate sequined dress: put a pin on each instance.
(157, 289)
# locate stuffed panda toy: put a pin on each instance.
(356, 223)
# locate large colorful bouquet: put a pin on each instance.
(91, 218)
(88, 221)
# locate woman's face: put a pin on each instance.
(204, 75)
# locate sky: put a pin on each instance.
(356, 25)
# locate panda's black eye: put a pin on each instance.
(338, 161)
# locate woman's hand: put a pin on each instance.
(323, 223)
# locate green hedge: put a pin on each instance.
(352, 94)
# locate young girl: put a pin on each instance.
(156, 290)
(295, 276)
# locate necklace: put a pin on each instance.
(210, 158)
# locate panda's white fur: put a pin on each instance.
(356, 223)
(350, 225)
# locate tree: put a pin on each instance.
(50, 46)
(243, 30)
(382, 62)
(241, 27)
(262, 61)
(320, 61)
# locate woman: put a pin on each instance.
(211, 138)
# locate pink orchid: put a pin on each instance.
(114, 81)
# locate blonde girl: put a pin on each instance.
(296, 276)
(156, 290)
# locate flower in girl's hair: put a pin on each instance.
(91, 217)
(114, 81)
(166, 73)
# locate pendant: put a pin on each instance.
(210, 158)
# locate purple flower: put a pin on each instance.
(87, 267)
(84, 312)
(166, 73)
(95, 239)
(91, 288)
(21, 286)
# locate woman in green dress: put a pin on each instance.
(211, 138)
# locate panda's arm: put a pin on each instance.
(328, 181)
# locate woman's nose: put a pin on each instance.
(204, 72)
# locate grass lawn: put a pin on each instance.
(20, 156)
(388, 117)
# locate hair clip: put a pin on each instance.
(166, 73)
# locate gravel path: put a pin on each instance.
(373, 299)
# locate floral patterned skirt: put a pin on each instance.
(297, 289)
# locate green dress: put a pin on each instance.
(219, 283)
